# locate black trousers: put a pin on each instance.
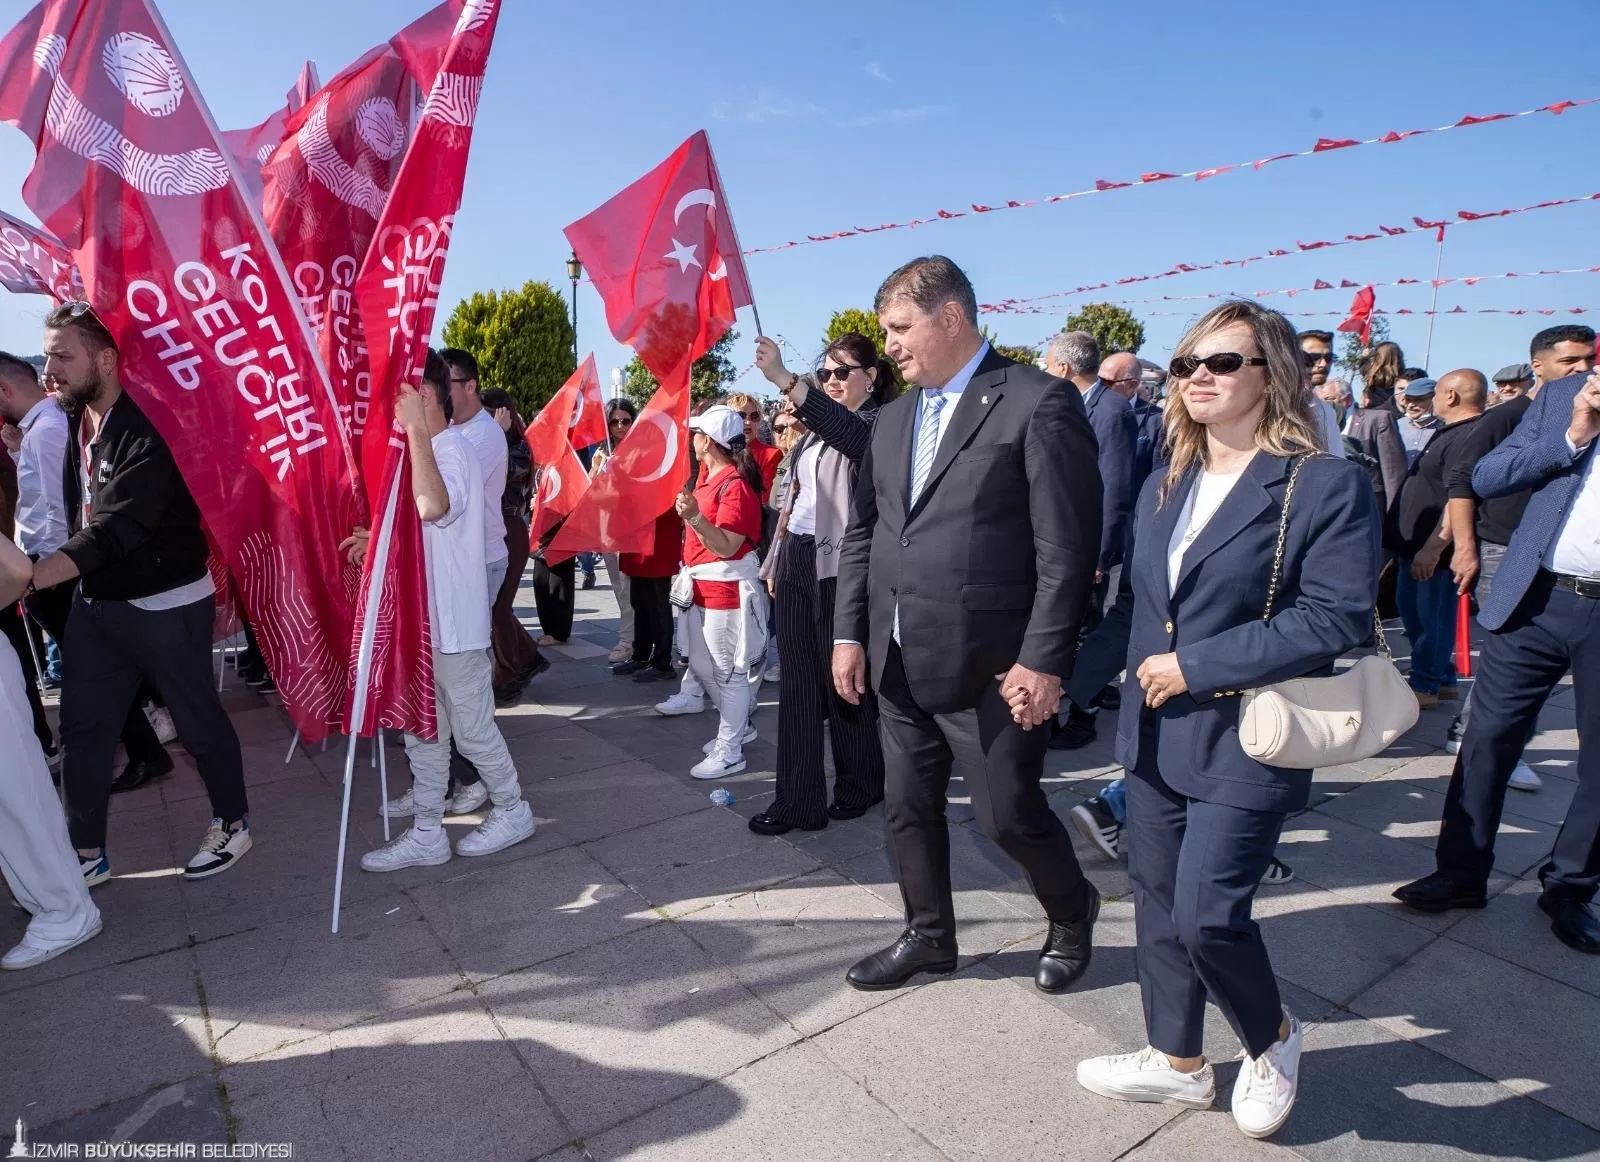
(52, 608)
(652, 620)
(1195, 868)
(111, 647)
(1552, 631)
(1001, 764)
(808, 701)
(553, 596)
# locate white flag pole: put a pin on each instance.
(358, 702)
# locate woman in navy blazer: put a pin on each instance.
(1203, 817)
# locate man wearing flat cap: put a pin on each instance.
(1513, 381)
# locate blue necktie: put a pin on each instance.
(933, 401)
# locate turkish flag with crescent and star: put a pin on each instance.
(664, 256)
(1360, 319)
(588, 425)
(134, 179)
(397, 293)
(562, 480)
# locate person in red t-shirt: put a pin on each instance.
(767, 457)
(726, 630)
(650, 587)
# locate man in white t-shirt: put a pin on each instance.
(449, 498)
(489, 453)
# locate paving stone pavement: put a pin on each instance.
(648, 979)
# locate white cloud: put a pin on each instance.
(1060, 18)
(766, 105)
(876, 72)
(890, 117)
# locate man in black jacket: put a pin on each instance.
(964, 576)
(145, 600)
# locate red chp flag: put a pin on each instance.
(132, 177)
(397, 293)
(664, 256)
(34, 263)
(251, 147)
(1360, 319)
(562, 480)
(588, 425)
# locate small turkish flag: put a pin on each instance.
(664, 256)
(587, 426)
(562, 480)
(1361, 315)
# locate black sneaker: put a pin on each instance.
(628, 668)
(588, 580)
(652, 674)
(1098, 825)
(1277, 873)
(1109, 698)
(1077, 732)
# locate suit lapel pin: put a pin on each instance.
(985, 399)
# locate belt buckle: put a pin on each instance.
(1586, 587)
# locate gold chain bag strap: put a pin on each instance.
(1318, 722)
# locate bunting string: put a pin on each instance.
(1463, 217)
(1323, 145)
(1291, 292)
(1456, 310)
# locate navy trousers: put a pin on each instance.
(1552, 631)
(1195, 868)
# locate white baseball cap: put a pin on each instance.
(721, 423)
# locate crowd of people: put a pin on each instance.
(964, 561)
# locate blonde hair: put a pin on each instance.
(1287, 427)
(738, 401)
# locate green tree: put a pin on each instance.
(1354, 354)
(1027, 355)
(708, 379)
(522, 340)
(1114, 328)
(861, 322)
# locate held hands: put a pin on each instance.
(850, 672)
(1585, 423)
(770, 361)
(409, 411)
(1034, 698)
(1161, 678)
(354, 547)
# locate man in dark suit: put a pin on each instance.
(964, 574)
(1543, 618)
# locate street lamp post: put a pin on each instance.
(574, 272)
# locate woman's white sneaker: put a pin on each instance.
(680, 703)
(504, 827)
(1148, 1076)
(750, 736)
(468, 799)
(35, 950)
(219, 850)
(402, 808)
(413, 849)
(1523, 778)
(718, 764)
(1264, 1092)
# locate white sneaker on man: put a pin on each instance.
(35, 950)
(750, 735)
(402, 808)
(1523, 778)
(720, 763)
(1264, 1092)
(219, 850)
(1148, 1076)
(468, 799)
(679, 704)
(412, 849)
(504, 827)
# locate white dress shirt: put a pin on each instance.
(1576, 551)
(803, 516)
(458, 606)
(41, 487)
(488, 444)
(1332, 438)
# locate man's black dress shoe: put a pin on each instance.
(845, 813)
(135, 775)
(1575, 923)
(1109, 698)
(1440, 892)
(631, 666)
(1066, 952)
(898, 963)
(1077, 732)
(764, 824)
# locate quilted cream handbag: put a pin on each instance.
(1323, 722)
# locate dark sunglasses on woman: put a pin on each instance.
(1222, 363)
(840, 373)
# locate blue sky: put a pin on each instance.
(825, 115)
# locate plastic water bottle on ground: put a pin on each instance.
(722, 797)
